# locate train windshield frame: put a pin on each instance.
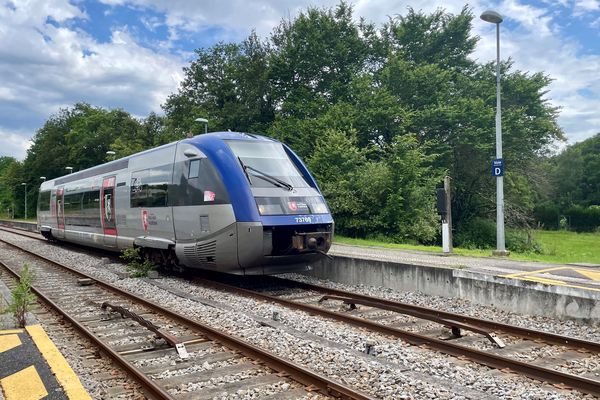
(267, 164)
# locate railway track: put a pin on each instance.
(497, 345)
(406, 321)
(168, 354)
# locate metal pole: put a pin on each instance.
(448, 191)
(25, 185)
(500, 243)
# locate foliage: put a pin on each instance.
(137, 266)
(576, 174)
(481, 234)
(547, 214)
(22, 298)
(11, 191)
(583, 219)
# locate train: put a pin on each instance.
(231, 202)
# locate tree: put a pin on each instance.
(576, 174)
(228, 84)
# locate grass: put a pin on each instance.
(558, 247)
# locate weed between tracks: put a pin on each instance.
(22, 298)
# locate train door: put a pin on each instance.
(60, 211)
(107, 205)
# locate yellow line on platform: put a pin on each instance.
(11, 331)
(24, 385)
(539, 271)
(593, 275)
(556, 283)
(59, 366)
(8, 342)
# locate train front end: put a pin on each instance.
(283, 222)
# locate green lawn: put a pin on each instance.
(559, 247)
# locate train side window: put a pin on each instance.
(194, 169)
(44, 200)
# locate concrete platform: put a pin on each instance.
(569, 291)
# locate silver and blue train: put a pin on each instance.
(225, 201)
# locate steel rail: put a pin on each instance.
(524, 333)
(11, 229)
(296, 372)
(491, 360)
(152, 388)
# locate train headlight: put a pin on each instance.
(291, 205)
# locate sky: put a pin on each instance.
(129, 54)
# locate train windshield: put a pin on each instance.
(267, 164)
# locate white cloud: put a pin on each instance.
(46, 66)
(583, 6)
(14, 144)
(536, 44)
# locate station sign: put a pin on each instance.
(498, 167)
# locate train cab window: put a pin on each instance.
(197, 182)
(194, 169)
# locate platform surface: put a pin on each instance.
(584, 277)
(31, 367)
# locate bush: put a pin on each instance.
(480, 233)
(522, 242)
(139, 268)
(22, 298)
(547, 215)
(583, 219)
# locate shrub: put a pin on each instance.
(547, 215)
(522, 242)
(477, 233)
(135, 264)
(480, 233)
(583, 219)
(22, 298)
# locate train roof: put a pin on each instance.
(206, 139)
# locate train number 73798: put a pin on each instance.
(302, 220)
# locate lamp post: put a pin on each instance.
(495, 18)
(203, 121)
(70, 169)
(25, 195)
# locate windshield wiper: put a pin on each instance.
(264, 176)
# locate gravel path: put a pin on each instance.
(394, 371)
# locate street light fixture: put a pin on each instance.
(25, 195)
(495, 18)
(70, 169)
(203, 121)
(43, 178)
(110, 154)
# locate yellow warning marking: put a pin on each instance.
(8, 342)
(59, 366)
(539, 271)
(544, 280)
(24, 385)
(593, 275)
(11, 331)
(530, 276)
